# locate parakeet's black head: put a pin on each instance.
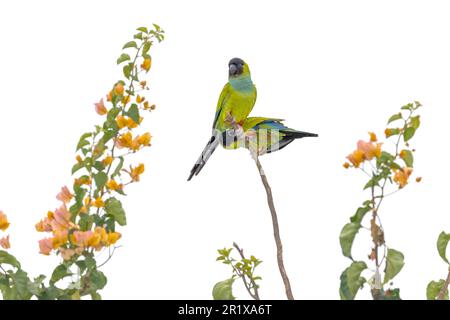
(236, 67)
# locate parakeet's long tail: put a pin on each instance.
(290, 135)
(207, 152)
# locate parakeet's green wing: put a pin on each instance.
(223, 98)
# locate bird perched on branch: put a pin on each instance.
(236, 100)
(265, 135)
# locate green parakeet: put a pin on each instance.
(236, 100)
(265, 135)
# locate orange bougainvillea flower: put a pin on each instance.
(113, 185)
(109, 96)
(99, 202)
(401, 176)
(373, 137)
(145, 139)
(146, 64)
(83, 180)
(356, 158)
(100, 107)
(45, 246)
(136, 172)
(4, 224)
(65, 195)
(108, 160)
(124, 141)
(113, 237)
(4, 243)
(125, 100)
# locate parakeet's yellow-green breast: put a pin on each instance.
(236, 100)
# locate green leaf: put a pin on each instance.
(409, 133)
(415, 122)
(138, 36)
(347, 236)
(433, 289)
(83, 140)
(409, 106)
(96, 296)
(407, 157)
(223, 290)
(21, 280)
(127, 70)
(112, 114)
(6, 258)
(394, 263)
(143, 29)
(98, 280)
(442, 243)
(118, 168)
(133, 113)
(130, 44)
(114, 208)
(396, 116)
(90, 263)
(360, 213)
(100, 179)
(351, 280)
(373, 182)
(59, 273)
(146, 47)
(77, 166)
(123, 57)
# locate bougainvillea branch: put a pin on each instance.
(85, 223)
(385, 170)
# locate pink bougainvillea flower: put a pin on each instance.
(64, 195)
(100, 107)
(4, 243)
(66, 254)
(45, 246)
(4, 224)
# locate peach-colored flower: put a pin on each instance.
(118, 88)
(401, 176)
(44, 225)
(61, 219)
(81, 238)
(4, 243)
(371, 150)
(66, 254)
(45, 246)
(4, 224)
(64, 195)
(100, 107)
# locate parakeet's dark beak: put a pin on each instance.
(233, 70)
(235, 67)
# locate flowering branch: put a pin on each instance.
(386, 170)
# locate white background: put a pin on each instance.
(337, 68)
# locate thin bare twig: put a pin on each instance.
(444, 288)
(276, 231)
